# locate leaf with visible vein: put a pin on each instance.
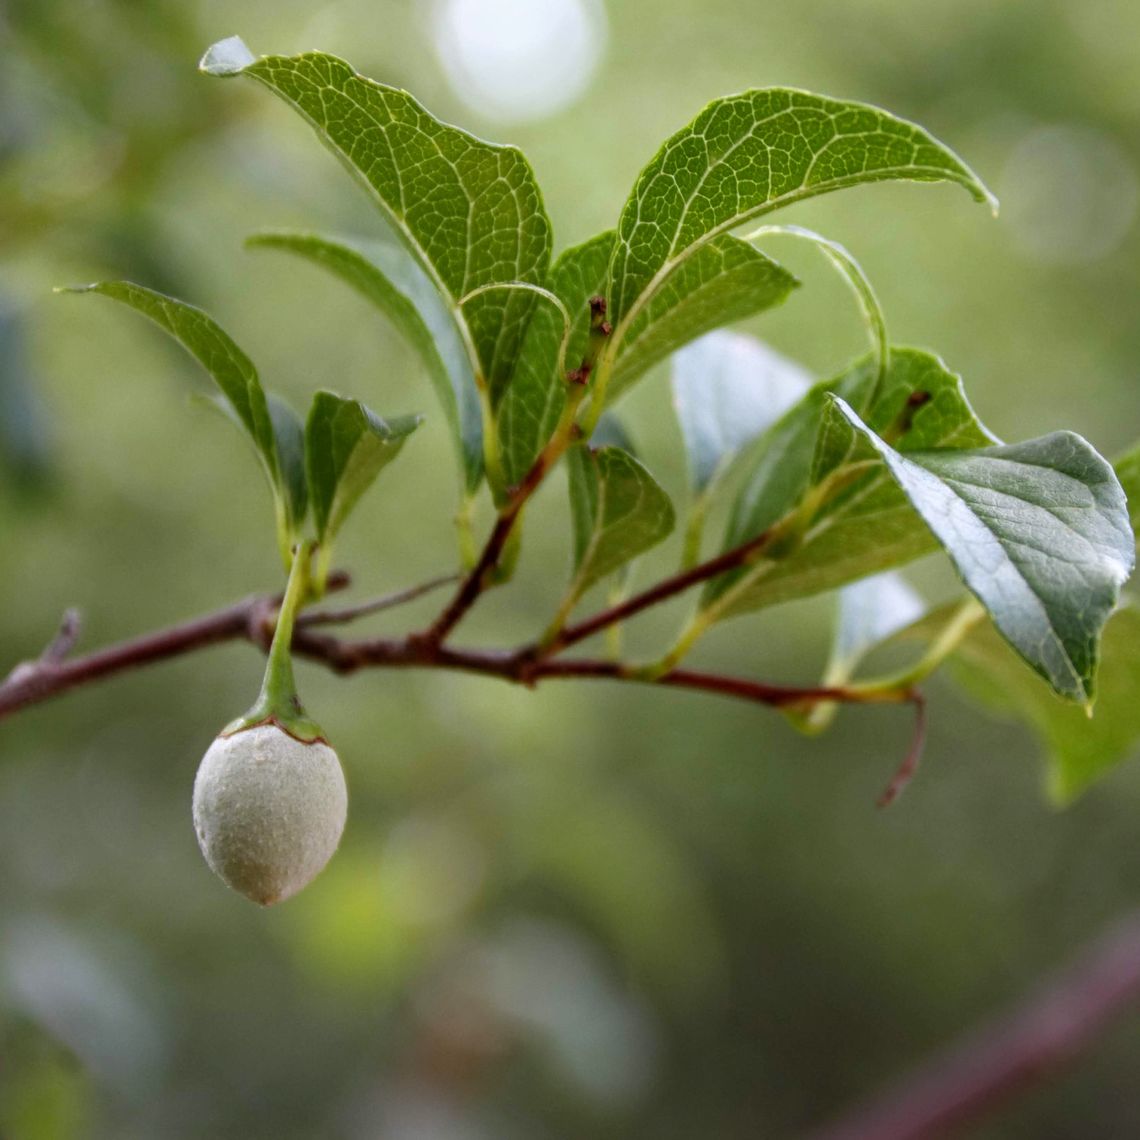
(726, 282)
(469, 211)
(868, 527)
(534, 400)
(618, 511)
(385, 274)
(1039, 533)
(747, 155)
(346, 447)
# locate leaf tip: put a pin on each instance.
(227, 57)
(75, 288)
(980, 191)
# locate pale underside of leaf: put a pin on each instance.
(868, 612)
(728, 388)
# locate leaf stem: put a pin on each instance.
(852, 273)
(278, 701)
(617, 594)
(279, 683)
(667, 588)
(492, 453)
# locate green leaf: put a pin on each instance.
(534, 400)
(469, 211)
(618, 511)
(1039, 533)
(384, 273)
(1080, 750)
(289, 434)
(728, 388)
(346, 447)
(747, 155)
(611, 432)
(727, 281)
(724, 281)
(869, 525)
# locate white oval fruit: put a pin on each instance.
(269, 810)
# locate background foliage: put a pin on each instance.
(574, 912)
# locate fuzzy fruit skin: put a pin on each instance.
(269, 810)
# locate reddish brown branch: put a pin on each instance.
(909, 766)
(1002, 1060)
(35, 681)
(479, 577)
(667, 588)
(251, 620)
(53, 673)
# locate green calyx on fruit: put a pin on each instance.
(269, 798)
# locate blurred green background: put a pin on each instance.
(583, 911)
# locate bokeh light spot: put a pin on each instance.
(519, 60)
